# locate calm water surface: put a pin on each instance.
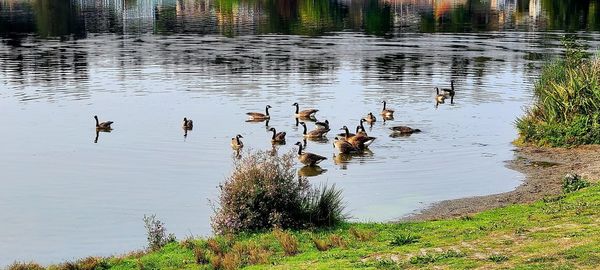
(147, 64)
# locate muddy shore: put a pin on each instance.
(543, 168)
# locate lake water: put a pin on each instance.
(146, 64)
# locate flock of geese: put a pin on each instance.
(345, 142)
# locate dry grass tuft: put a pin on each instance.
(337, 241)
(25, 266)
(321, 245)
(288, 242)
(362, 235)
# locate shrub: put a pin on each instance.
(567, 107)
(157, 233)
(573, 182)
(321, 245)
(404, 239)
(216, 261)
(25, 266)
(231, 261)
(288, 242)
(214, 246)
(200, 255)
(265, 192)
(92, 263)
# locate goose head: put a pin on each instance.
(295, 104)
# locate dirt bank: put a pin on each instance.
(543, 168)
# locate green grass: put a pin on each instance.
(567, 107)
(554, 234)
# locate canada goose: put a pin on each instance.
(344, 146)
(405, 130)
(387, 112)
(361, 141)
(370, 118)
(236, 143)
(439, 98)
(308, 113)
(277, 137)
(322, 125)
(361, 131)
(260, 116)
(315, 133)
(450, 92)
(104, 126)
(188, 124)
(346, 133)
(308, 159)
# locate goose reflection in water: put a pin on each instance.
(310, 171)
(342, 160)
(98, 133)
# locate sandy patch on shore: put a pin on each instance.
(543, 168)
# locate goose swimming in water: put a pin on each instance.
(105, 126)
(188, 124)
(387, 113)
(315, 133)
(450, 92)
(308, 113)
(308, 159)
(260, 116)
(236, 143)
(278, 137)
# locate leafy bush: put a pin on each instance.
(265, 192)
(404, 239)
(157, 233)
(567, 107)
(573, 182)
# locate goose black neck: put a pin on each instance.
(384, 105)
(267, 110)
(97, 123)
(297, 108)
(304, 129)
(299, 149)
(237, 139)
(347, 132)
(273, 134)
(452, 85)
(361, 125)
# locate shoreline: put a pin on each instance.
(544, 169)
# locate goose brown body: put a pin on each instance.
(308, 113)
(308, 159)
(103, 125)
(387, 112)
(450, 91)
(236, 143)
(278, 137)
(315, 133)
(405, 130)
(260, 116)
(188, 124)
(345, 147)
(440, 98)
(370, 118)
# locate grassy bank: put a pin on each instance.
(555, 233)
(567, 107)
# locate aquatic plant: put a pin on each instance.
(567, 107)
